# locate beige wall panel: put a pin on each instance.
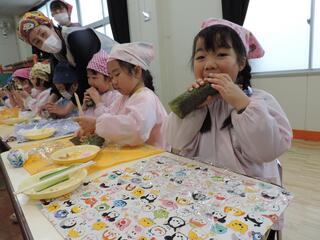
(313, 104)
(291, 93)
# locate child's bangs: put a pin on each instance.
(92, 71)
(216, 37)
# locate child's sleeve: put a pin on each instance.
(89, 112)
(182, 135)
(30, 103)
(262, 130)
(34, 104)
(131, 128)
(100, 109)
(104, 107)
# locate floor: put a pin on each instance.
(301, 176)
(8, 230)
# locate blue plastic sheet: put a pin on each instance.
(63, 127)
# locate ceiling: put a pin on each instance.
(16, 7)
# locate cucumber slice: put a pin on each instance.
(44, 177)
(51, 183)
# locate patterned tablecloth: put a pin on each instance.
(168, 197)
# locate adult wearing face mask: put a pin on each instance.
(75, 45)
(61, 12)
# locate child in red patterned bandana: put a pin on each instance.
(101, 94)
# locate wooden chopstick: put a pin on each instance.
(78, 104)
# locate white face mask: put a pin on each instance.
(62, 18)
(52, 44)
(66, 94)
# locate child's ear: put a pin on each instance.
(138, 72)
(107, 78)
(75, 86)
(242, 63)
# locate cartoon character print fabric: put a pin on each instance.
(165, 198)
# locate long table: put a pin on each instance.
(217, 189)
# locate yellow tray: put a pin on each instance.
(75, 154)
(37, 134)
(74, 181)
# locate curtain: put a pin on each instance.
(118, 15)
(235, 10)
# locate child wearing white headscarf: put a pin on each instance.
(137, 116)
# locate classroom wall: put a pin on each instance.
(172, 26)
(298, 95)
(25, 50)
(8, 45)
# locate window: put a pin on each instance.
(105, 30)
(74, 13)
(45, 10)
(100, 19)
(316, 36)
(284, 28)
(91, 11)
(93, 14)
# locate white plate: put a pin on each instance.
(37, 134)
(75, 154)
(74, 181)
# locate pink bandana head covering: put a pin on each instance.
(136, 53)
(68, 6)
(253, 47)
(22, 73)
(98, 62)
(29, 21)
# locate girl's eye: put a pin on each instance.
(222, 54)
(199, 57)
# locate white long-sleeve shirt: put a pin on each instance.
(34, 103)
(133, 120)
(106, 101)
(259, 135)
